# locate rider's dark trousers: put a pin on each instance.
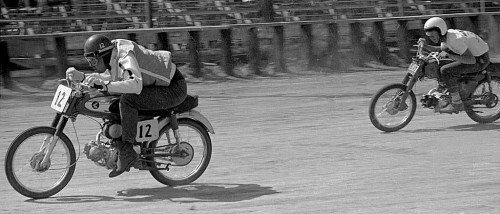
(150, 98)
(450, 71)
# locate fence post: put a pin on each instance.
(494, 34)
(266, 10)
(194, 52)
(254, 50)
(402, 34)
(401, 8)
(308, 37)
(379, 40)
(132, 37)
(356, 46)
(227, 54)
(474, 20)
(5, 65)
(61, 54)
(163, 41)
(149, 16)
(279, 49)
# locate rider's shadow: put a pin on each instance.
(197, 193)
(466, 127)
(211, 192)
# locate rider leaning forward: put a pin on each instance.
(467, 50)
(146, 80)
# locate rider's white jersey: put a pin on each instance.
(460, 40)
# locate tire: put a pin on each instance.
(21, 153)
(388, 93)
(195, 135)
(482, 113)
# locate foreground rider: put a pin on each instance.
(467, 50)
(146, 80)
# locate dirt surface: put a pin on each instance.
(287, 144)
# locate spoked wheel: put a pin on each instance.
(189, 161)
(387, 111)
(485, 107)
(23, 163)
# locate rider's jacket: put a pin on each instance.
(459, 41)
(133, 67)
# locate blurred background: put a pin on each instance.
(22, 20)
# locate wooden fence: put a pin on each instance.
(254, 48)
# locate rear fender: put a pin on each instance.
(197, 116)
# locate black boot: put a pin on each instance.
(126, 157)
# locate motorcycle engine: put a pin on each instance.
(103, 154)
(435, 100)
(112, 130)
(429, 101)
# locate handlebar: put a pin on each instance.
(82, 87)
(431, 55)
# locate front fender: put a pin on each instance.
(197, 116)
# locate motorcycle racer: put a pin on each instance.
(146, 80)
(467, 50)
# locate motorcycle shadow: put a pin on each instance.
(466, 127)
(211, 192)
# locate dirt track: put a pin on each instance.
(291, 144)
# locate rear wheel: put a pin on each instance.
(387, 111)
(485, 108)
(23, 167)
(191, 159)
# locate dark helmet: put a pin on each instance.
(97, 44)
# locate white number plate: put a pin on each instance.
(61, 98)
(413, 68)
(147, 130)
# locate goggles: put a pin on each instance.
(92, 57)
(432, 29)
(92, 61)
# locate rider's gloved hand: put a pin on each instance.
(96, 82)
(421, 41)
(74, 75)
(444, 55)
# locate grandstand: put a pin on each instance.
(60, 16)
(97, 15)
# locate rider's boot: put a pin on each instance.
(456, 105)
(126, 157)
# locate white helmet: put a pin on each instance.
(436, 22)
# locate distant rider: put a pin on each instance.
(146, 80)
(467, 50)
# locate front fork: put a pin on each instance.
(49, 142)
(409, 81)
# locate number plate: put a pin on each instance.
(413, 68)
(61, 98)
(147, 130)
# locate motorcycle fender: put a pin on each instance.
(197, 116)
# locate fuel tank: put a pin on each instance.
(101, 104)
(100, 107)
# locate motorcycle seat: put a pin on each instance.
(189, 103)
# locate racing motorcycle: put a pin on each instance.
(174, 144)
(394, 105)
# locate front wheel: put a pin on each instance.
(23, 167)
(387, 111)
(485, 107)
(195, 151)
